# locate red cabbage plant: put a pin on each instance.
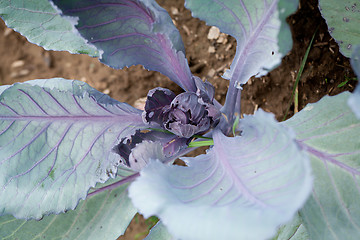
(77, 164)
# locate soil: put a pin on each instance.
(208, 58)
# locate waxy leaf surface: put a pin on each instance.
(159, 232)
(343, 20)
(41, 24)
(243, 188)
(259, 27)
(130, 32)
(105, 215)
(56, 143)
(294, 230)
(354, 99)
(330, 132)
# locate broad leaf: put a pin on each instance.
(120, 32)
(130, 32)
(56, 143)
(41, 24)
(354, 99)
(159, 232)
(260, 29)
(294, 230)
(342, 18)
(330, 132)
(105, 215)
(243, 188)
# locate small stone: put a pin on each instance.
(222, 68)
(211, 49)
(222, 38)
(18, 63)
(24, 72)
(20, 73)
(214, 33)
(186, 29)
(211, 73)
(106, 91)
(174, 10)
(228, 47)
(7, 32)
(140, 103)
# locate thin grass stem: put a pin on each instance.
(298, 76)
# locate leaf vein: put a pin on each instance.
(33, 101)
(28, 143)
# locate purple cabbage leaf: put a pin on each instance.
(59, 138)
(103, 214)
(342, 19)
(131, 32)
(56, 142)
(186, 114)
(259, 27)
(329, 131)
(354, 99)
(41, 24)
(174, 121)
(244, 187)
(121, 33)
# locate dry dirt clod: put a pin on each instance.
(214, 33)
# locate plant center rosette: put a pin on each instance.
(174, 121)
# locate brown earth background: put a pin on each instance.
(209, 53)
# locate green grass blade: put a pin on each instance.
(302, 66)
